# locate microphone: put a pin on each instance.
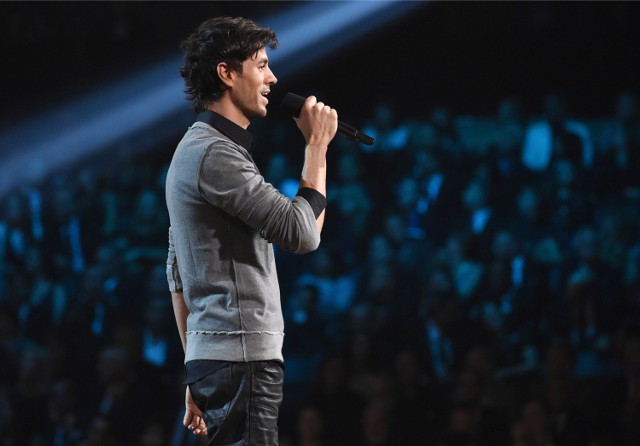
(292, 104)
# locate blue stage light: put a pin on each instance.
(72, 132)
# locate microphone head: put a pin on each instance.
(292, 104)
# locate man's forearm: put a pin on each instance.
(181, 312)
(314, 174)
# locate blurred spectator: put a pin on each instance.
(569, 199)
(376, 427)
(632, 287)
(100, 433)
(484, 418)
(533, 428)
(67, 227)
(418, 413)
(336, 287)
(30, 392)
(440, 186)
(444, 122)
(364, 358)
(306, 331)
(619, 158)
(568, 420)
(279, 173)
(509, 290)
(619, 405)
(479, 218)
(160, 345)
(383, 127)
(99, 307)
(146, 230)
(510, 117)
(411, 206)
(408, 251)
(350, 204)
(153, 434)
(309, 428)
(589, 285)
(122, 395)
(440, 324)
(65, 423)
(466, 271)
(556, 136)
(529, 221)
(48, 299)
(352, 212)
(15, 239)
(338, 405)
(459, 428)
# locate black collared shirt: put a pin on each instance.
(231, 130)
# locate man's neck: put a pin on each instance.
(226, 108)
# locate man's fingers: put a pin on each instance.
(201, 427)
(312, 100)
(188, 420)
(192, 417)
(195, 423)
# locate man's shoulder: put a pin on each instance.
(202, 131)
(200, 138)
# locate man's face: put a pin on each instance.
(252, 85)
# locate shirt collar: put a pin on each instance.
(232, 130)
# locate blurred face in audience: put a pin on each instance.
(147, 205)
(504, 245)
(15, 210)
(527, 202)
(310, 424)
(626, 106)
(407, 193)
(375, 425)
(395, 228)
(564, 172)
(475, 196)
(353, 200)
(380, 249)
(348, 167)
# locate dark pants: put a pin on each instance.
(240, 402)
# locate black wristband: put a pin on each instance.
(317, 201)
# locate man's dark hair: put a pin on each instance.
(221, 39)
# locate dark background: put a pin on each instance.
(465, 55)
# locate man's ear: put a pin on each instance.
(225, 74)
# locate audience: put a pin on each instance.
(468, 291)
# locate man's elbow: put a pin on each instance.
(309, 243)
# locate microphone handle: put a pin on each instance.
(353, 134)
(293, 103)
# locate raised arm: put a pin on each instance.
(318, 123)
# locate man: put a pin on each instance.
(224, 217)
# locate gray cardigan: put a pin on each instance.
(224, 218)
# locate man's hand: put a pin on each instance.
(317, 122)
(193, 417)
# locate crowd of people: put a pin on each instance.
(477, 283)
